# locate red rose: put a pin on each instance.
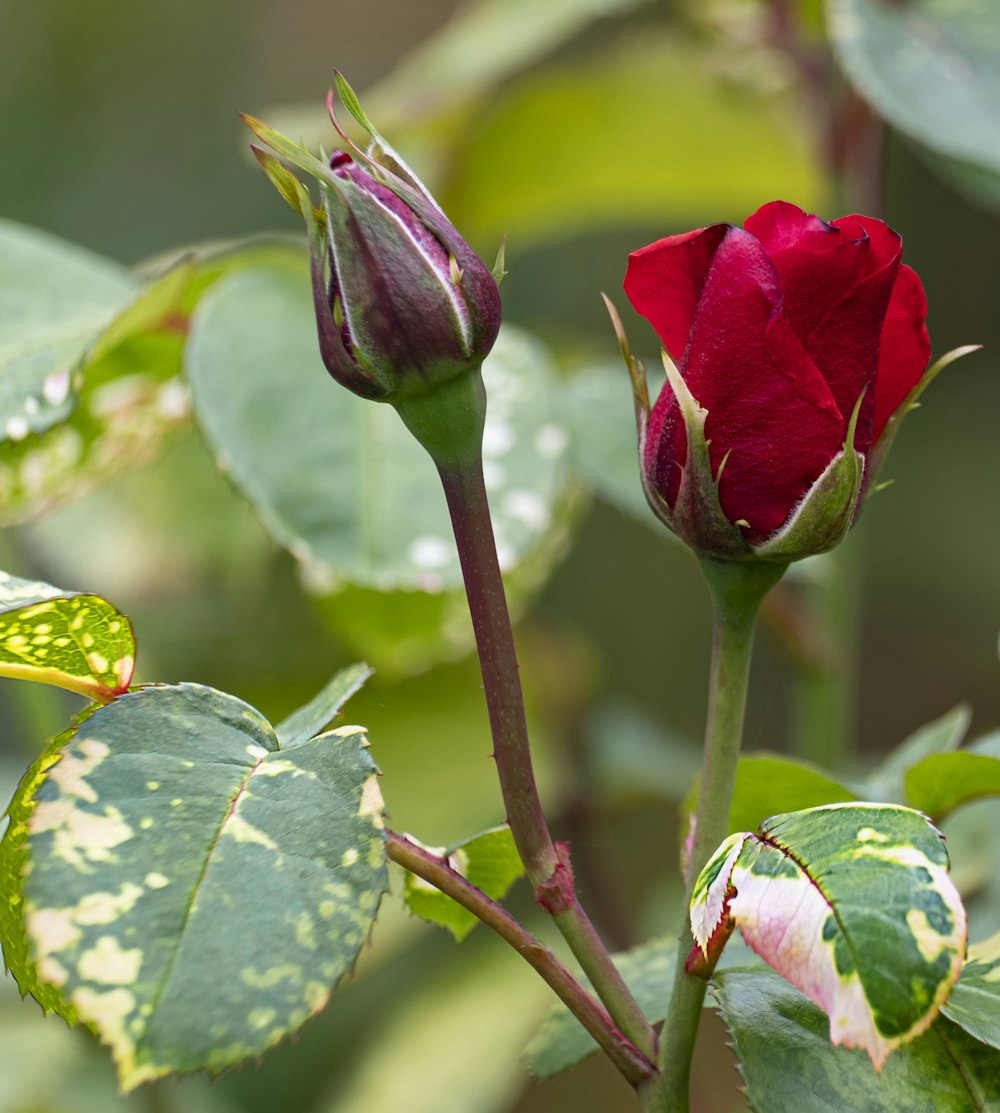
(784, 331)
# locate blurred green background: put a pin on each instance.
(578, 131)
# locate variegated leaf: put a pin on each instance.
(852, 903)
(74, 641)
(188, 888)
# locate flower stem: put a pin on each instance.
(737, 589)
(630, 1061)
(546, 863)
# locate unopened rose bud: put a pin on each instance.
(406, 311)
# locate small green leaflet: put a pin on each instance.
(974, 1003)
(189, 889)
(852, 903)
(789, 1065)
(767, 784)
(323, 708)
(489, 860)
(74, 641)
(941, 782)
(939, 736)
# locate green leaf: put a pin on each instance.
(338, 480)
(974, 1003)
(54, 299)
(852, 903)
(489, 860)
(767, 784)
(188, 889)
(713, 153)
(75, 641)
(939, 736)
(941, 782)
(320, 711)
(929, 67)
(789, 1065)
(562, 1042)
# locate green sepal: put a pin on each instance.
(640, 401)
(381, 153)
(284, 181)
(285, 148)
(499, 270)
(881, 449)
(823, 517)
(697, 513)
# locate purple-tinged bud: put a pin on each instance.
(413, 305)
(404, 307)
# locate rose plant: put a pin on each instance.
(172, 837)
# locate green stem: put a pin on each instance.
(546, 864)
(633, 1064)
(737, 589)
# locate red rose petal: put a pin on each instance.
(885, 244)
(664, 282)
(845, 344)
(768, 407)
(817, 262)
(905, 349)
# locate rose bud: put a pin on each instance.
(403, 305)
(799, 345)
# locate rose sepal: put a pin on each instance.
(335, 356)
(824, 515)
(697, 514)
(640, 401)
(911, 402)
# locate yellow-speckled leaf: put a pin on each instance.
(74, 641)
(188, 889)
(851, 903)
